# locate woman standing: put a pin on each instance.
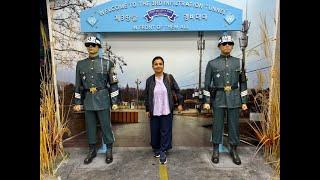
(160, 92)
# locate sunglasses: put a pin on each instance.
(90, 44)
(229, 43)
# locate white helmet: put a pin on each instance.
(94, 40)
(225, 39)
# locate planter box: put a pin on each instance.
(124, 116)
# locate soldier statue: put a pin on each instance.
(96, 87)
(227, 92)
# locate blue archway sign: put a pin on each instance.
(160, 16)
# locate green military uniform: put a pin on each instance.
(97, 88)
(222, 80)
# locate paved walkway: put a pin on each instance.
(190, 157)
(184, 163)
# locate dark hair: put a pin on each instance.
(157, 57)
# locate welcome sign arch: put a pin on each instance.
(160, 16)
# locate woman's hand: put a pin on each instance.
(180, 108)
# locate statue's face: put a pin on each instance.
(93, 48)
(226, 48)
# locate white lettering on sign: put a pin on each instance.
(127, 18)
(159, 27)
(147, 27)
(189, 4)
(146, 3)
(113, 8)
(217, 10)
(156, 3)
(133, 4)
(188, 17)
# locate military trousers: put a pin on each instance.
(232, 115)
(104, 117)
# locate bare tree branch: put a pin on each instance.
(74, 38)
(65, 30)
(71, 49)
(61, 19)
(66, 6)
(66, 26)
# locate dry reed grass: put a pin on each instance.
(51, 128)
(268, 104)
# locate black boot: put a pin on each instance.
(215, 154)
(234, 155)
(109, 157)
(92, 154)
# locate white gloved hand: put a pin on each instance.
(114, 107)
(206, 106)
(244, 107)
(77, 108)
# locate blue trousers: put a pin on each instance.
(161, 132)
